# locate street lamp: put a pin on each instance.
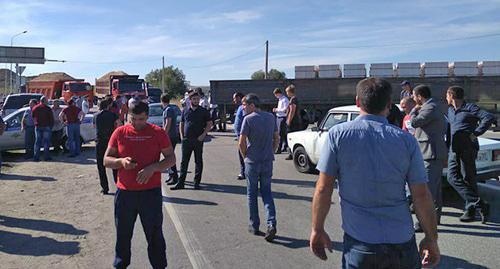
(11, 44)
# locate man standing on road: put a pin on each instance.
(195, 124)
(467, 122)
(407, 104)
(57, 129)
(44, 120)
(372, 161)
(281, 118)
(28, 125)
(238, 120)
(72, 116)
(430, 125)
(2, 129)
(85, 105)
(406, 90)
(170, 127)
(258, 142)
(105, 122)
(139, 183)
(293, 120)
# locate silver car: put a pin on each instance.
(156, 115)
(13, 137)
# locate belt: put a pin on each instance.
(284, 117)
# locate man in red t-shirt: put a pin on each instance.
(44, 120)
(134, 149)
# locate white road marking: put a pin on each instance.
(188, 239)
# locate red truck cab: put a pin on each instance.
(128, 85)
(77, 88)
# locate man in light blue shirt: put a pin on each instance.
(238, 121)
(372, 161)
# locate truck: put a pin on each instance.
(59, 85)
(120, 85)
(318, 95)
(153, 94)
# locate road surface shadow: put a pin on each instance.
(222, 188)
(40, 225)
(25, 178)
(300, 243)
(298, 183)
(27, 245)
(184, 201)
(452, 263)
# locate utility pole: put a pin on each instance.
(267, 59)
(162, 74)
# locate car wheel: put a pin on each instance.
(301, 160)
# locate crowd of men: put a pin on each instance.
(374, 158)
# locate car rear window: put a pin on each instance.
(18, 101)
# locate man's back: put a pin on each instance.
(373, 161)
(105, 124)
(42, 116)
(259, 127)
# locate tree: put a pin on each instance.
(174, 80)
(273, 74)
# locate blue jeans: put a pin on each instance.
(362, 255)
(42, 136)
(73, 131)
(148, 204)
(260, 173)
(29, 140)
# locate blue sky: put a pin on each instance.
(225, 39)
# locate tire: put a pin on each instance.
(301, 160)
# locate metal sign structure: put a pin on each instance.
(22, 55)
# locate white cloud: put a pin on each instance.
(241, 16)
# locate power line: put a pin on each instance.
(120, 62)
(408, 44)
(227, 60)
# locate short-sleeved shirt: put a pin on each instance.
(195, 121)
(296, 120)
(71, 113)
(28, 118)
(144, 146)
(259, 127)
(238, 120)
(105, 124)
(171, 113)
(373, 160)
(42, 116)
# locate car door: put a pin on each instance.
(13, 137)
(331, 120)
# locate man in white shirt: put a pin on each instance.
(85, 105)
(280, 112)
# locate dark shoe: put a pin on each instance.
(469, 215)
(48, 159)
(173, 182)
(277, 152)
(104, 192)
(412, 208)
(240, 177)
(484, 212)
(289, 157)
(418, 228)
(197, 186)
(270, 234)
(178, 186)
(36, 160)
(254, 231)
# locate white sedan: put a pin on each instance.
(307, 145)
(13, 137)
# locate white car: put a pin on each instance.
(307, 145)
(13, 137)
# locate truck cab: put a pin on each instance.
(77, 88)
(127, 86)
(154, 94)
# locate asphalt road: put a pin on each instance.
(208, 228)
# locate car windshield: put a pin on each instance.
(79, 87)
(155, 111)
(130, 86)
(334, 119)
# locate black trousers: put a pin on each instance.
(283, 131)
(173, 169)
(462, 175)
(56, 139)
(242, 163)
(190, 145)
(100, 150)
(148, 205)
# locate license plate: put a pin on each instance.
(482, 156)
